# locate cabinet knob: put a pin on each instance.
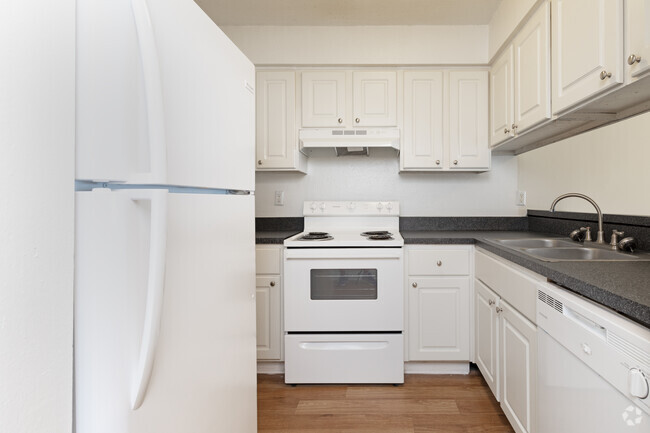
(439, 263)
(604, 74)
(414, 285)
(455, 162)
(272, 283)
(340, 120)
(499, 309)
(632, 59)
(259, 162)
(506, 131)
(490, 302)
(437, 162)
(357, 120)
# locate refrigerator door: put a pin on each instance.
(163, 97)
(164, 313)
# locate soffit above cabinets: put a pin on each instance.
(349, 12)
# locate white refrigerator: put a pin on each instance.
(164, 231)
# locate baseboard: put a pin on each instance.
(436, 367)
(270, 367)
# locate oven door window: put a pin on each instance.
(343, 284)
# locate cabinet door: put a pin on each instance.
(423, 126)
(438, 319)
(532, 51)
(501, 98)
(468, 120)
(374, 98)
(323, 99)
(269, 331)
(276, 120)
(486, 335)
(518, 369)
(587, 46)
(637, 27)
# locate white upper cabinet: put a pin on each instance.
(422, 143)
(276, 140)
(637, 25)
(520, 80)
(587, 49)
(332, 99)
(374, 98)
(532, 63)
(323, 99)
(501, 98)
(468, 120)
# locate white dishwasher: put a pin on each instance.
(593, 367)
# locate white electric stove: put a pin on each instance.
(344, 296)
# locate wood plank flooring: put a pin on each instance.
(425, 403)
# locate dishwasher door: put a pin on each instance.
(573, 398)
(593, 367)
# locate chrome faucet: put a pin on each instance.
(600, 237)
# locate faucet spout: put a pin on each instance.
(601, 234)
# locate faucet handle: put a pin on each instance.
(577, 235)
(587, 231)
(614, 239)
(627, 244)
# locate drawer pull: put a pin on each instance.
(415, 285)
(272, 283)
(439, 263)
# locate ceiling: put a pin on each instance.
(349, 12)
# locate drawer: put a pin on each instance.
(515, 287)
(268, 259)
(438, 262)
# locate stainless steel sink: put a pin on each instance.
(535, 243)
(563, 250)
(579, 254)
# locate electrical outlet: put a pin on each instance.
(279, 198)
(521, 198)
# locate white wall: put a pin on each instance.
(376, 178)
(36, 214)
(362, 45)
(610, 164)
(505, 20)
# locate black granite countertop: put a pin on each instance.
(273, 237)
(621, 286)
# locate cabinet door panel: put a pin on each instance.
(486, 335)
(439, 319)
(276, 131)
(501, 98)
(375, 98)
(468, 120)
(637, 26)
(581, 52)
(518, 361)
(323, 99)
(269, 330)
(532, 71)
(422, 146)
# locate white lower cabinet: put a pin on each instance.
(438, 303)
(505, 339)
(269, 302)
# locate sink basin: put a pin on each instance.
(579, 254)
(536, 243)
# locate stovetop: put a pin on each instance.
(358, 224)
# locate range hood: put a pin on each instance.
(349, 141)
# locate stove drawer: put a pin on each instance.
(423, 261)
(344, 358)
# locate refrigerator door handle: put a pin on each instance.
(155, 290)
(154, 98)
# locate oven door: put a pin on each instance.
(343, 289)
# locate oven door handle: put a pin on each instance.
(327, 253)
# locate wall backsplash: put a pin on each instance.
(377, 177)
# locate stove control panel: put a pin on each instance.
(354, 208)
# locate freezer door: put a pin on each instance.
(163, 97)
(169, 357)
